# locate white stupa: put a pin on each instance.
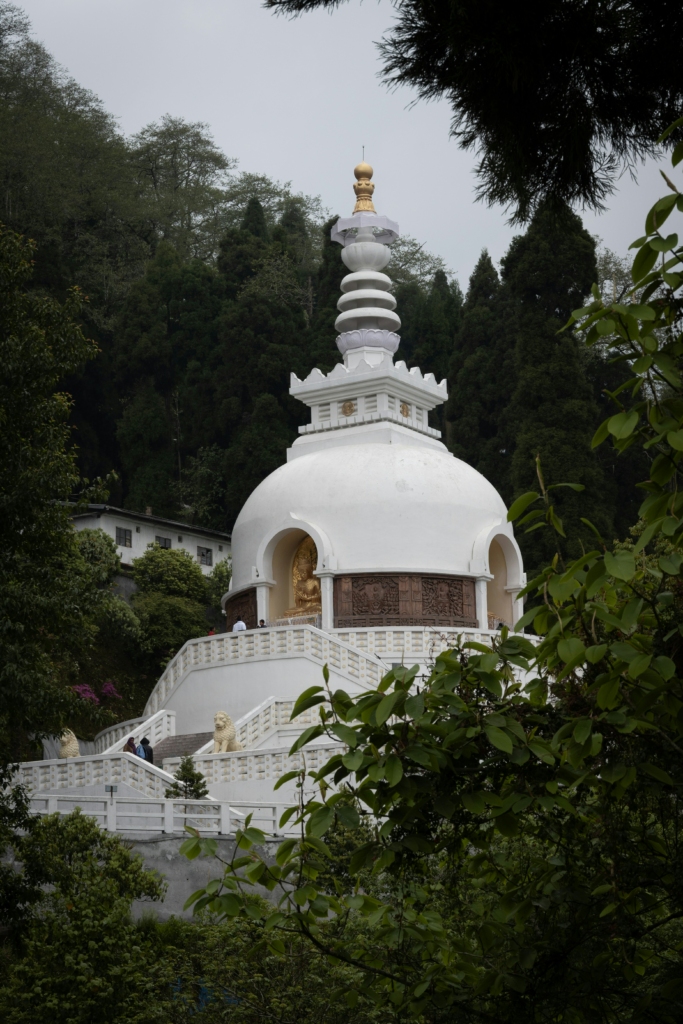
(371, 546)
(372, 483)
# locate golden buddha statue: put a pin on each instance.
(305, 585)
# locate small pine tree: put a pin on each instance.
(190, 784)
(255, 220)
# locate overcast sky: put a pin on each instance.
(297, 100)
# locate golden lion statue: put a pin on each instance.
(68, 744)
(224, 738)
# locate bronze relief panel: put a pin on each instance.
(241, 606)
(406, 600)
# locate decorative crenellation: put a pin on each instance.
(367, 389)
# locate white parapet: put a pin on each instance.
(155, 727)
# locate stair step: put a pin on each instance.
(178, 746)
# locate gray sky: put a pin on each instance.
(296, 100)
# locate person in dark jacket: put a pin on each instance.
(149, 751)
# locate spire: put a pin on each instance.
(367, 323)
(363, 189)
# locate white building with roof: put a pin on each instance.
(134, 532)
(371, 546)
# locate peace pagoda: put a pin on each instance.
(371, 546)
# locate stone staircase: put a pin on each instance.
(179, 746)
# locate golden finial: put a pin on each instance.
(363, 189)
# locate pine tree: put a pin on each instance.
(190, 784)
(547, 273)
(482, 380)
(255, 220)
(321, 338)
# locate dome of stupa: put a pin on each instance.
(372, 508)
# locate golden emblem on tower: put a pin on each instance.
(363, 188)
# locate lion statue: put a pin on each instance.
(68, 744)
(224, 738)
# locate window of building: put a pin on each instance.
(163, 542)
(180, 538)
(137, 529)
(124, 538)
(220, 547)
(205, 556)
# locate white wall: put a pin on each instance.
(143, 534)
(240, 687)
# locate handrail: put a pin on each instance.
(361, 655)
(272, 643)
(95, 770)
(269, 763)
(213, 817)
(265, 718)
(156, 728)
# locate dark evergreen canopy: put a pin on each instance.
(555, 98)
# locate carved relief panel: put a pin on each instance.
(242, 606)
(407, 600)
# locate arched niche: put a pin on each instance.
(505, 567)
(284, 599)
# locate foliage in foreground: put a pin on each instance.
(525, 799)
(74, 954)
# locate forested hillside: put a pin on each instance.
(206, 286)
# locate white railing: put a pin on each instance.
(267, 645)
(410, 644)
(258, 765)
(95, 770)
(155, 728)
(263, 720)
(166, 816)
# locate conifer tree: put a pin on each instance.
(189, 783)
(322, 334)
(482, 380)
(547, 273)
(255, 220)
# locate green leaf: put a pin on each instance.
(623, 424)
(348, 815)
(287, 777)
(528, 617)
(308, 734)
(675, 439)
(671, 564)
(386, 706)
(541, 750)
(657, 773)
(353, 761)
(393, 770)
(600, 434)
(608, 694)
(473, 802)
(596, 653)
(643, 263)
(613, 772)
(320, 821)
(301, 701)
(521, 504)
(571, 649)
(498, 738)
(414, 706)
(582, 730)
(608, 909)
(621, 564)
(345, 734)
(664, 666)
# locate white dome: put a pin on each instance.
(372, 508)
